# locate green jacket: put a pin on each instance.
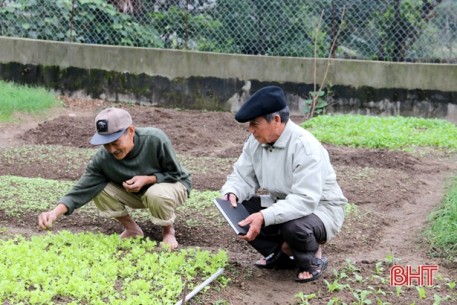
(152, 154)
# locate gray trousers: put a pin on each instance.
(303, 235)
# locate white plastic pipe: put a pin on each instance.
(201, 286)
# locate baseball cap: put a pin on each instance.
(110, 124)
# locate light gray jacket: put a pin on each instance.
(296, 172)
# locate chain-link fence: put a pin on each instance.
(390, 30)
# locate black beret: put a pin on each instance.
(265, 101)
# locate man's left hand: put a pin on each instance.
(255, 222)
(135, 184)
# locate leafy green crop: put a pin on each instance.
(56, 160)
(90, 268)
(199, 208)
(21, 194)
(383, 132)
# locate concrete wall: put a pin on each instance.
(199, 80)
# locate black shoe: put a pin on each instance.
(278, 261)
(316, 271)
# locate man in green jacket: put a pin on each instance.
(134, 167)
(301, 205)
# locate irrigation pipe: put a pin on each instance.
(201, 286)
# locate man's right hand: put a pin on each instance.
(255, 222)
(47, 219)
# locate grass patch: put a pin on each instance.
(88, 268)
(15, 98)
(395, 133)
(442, 232)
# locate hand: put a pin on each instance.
(255, 222)
(136, 183)
(232, 198)
(47, 219)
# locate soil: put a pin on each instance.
(394, 192)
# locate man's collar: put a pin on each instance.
(283, 139)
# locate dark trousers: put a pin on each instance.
(303, 235)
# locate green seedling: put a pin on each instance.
(381, 302)
(335, 286)
(304, 298)
(436, 299)
(422, 292)
(335, 301)
(379, 268)
(362, 298)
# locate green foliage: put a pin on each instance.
(343, 287)
(315, 104)
(269, 27)
(391, 259)
(236, 18)
(200, 164)
(442, 232)
(393, 43)
(199, 208)
(390, 133)
(144, 282)
(20, 195)
(96, 269)
(304, 298)
(433, 42)
(335, 286)
(393, 30)
(394, 133)
(181, 30)
(421, 292)
(90, 21)
(23, 195)
(201, 200)
(386, 30)
(16, 98)
(362, 297)
(351, 209)
(63, 161)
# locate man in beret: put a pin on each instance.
(285, 180)
(134, 167)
